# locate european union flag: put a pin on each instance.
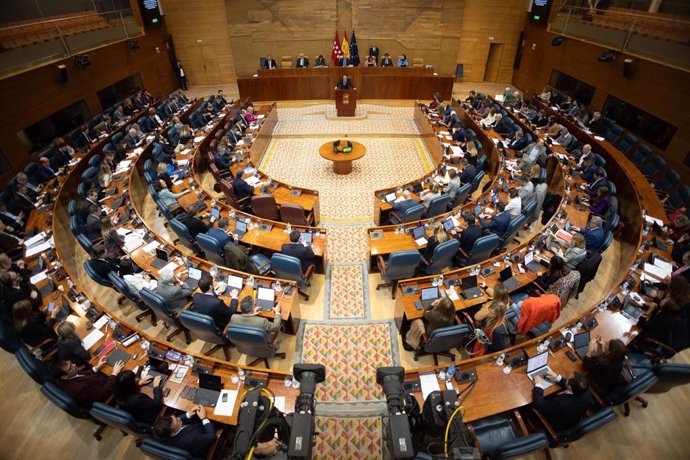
(354, 54)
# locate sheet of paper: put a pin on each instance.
(662, 264)
(420, 241)
(225, 409)
(452, 294)
(179, 374)
(170, 266)
(456, 151)
(91, 339)
(34, 240)
(253, 181)
(653, 220)
(656, 272)
(280, 403)
(38, 277)
(37, 249)
(151, 247)
(101, 322)
(429, 383)
(499, 97)
(133, 242)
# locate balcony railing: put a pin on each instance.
(35, 42)
(654, 36)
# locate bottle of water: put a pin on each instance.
(250, 281)
(450, 372)
(288, 229)
(214, 271)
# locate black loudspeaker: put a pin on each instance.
(62, 74)
(518, 53)
(627, 68)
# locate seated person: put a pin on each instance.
(16, 221)
(241, 188)
(193, 223)
(596, 124)
(600, 203)
(162, 170)
(167, 197)
(16, 286)
(207, 302)
(70, 346)
(142, 407)
(562, 410)
(499, 223)
(403, 202)
(175, 295)
(270, 63)
(402, 61)
(32, 327)
(514, 206)
(221, 233)
(669, 324)
(429, 194)
(490, 118)
(9, 242)
(298, 248)
(587, 169)
(533, 311)
(438, 236)
(594, 235)
(518, 142)
(237, 257)
(192, 431)
(576, 252)
(603, 364)
(441, 313)
(491, 319)
(564, 137)
(370, 62)
(532, 152)
(502, 126)
(470, 234)
(469, 171)
(132, 138)
(86, 384)
(598, 180)
(386, 61)
(44, 173)
(320, 61)
(454, 184)
(101, 265)
(541, 120)
(250, 317)
(104, 127)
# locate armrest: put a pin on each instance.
(396, 215)
(626, 361)
(424, 259)
(464, 254)
(185, 308)
(538, 287)
(381, 264)
(310, 218)
(520, 422)
(309, 271)
(660, 344)
(243, 200)
(468, 318)
(263, 265)
(212, 450)
(46, 356)
(597, 398)
(545, 424)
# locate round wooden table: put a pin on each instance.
(342, 162)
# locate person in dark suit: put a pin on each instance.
(14, 220)
(192, 431)
(345, 83)
(21, 202)
(86, 385)
(128, 397)
(502, 127)
(519, 142)
(604, 364)
(270, 63)
(320, 61)
(594, 235)
(469, 172)
(63, 153)
(44, 172)
(240, 186)
(499, 224)
(208, 303)
(84, 138)
(598, 180)
(295, 248)
(69, 345)
(302, 61)
(563, 410)
(471, 233)
(344, 61)
(374, 51)
(31, 327)
(92, 228)
(386, 61)
(131, 139)
(181, 75)
(193, 223)
(596, 123)
(100, 264)
(587, 169)
(221, 232)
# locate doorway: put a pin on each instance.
(493, 61)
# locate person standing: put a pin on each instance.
(181, 75)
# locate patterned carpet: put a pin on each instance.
(351, 353)
(347, 243)
(348, 438)
(346, 295)
(346, 198)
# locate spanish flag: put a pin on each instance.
(345, 46)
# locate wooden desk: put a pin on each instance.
(342, 162)
(371, 83)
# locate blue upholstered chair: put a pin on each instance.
(476, 181)
(88, 267)
(204, 328)
(157, 449)
(514, 227)
(63, 400)
(120, 420)
(211, 248)
(34, 368)
(411, 214)
(442, 257)
(632, 391)
(121, 286)
(608, 239)
(397, 266)
(498, 437)
(626, 143)
(463, 193)
(585, 426)
(183, 234)
(442, 340)
(156, 303)
(254, 342)
(481, 249)
(437, 205)
(655, 166)
(641, 155)
(290, 268)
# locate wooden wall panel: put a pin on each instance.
(655, 88)
(36, 94)
(200, 33)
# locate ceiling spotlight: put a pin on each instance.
(557, 41)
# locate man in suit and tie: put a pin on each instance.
(250, 317)
(181, 75)
(374, 51)
(471, 233)
(299, 249)
(175, 296)
(530, 153)
(193, 223)
(598, 180)
(100, 264)
(240, 186)
(88, 385)
(131, 139)
(191, 431)
(519, 142)
(21, 203)
(44, 173)
(91, 200)
(386, 61)
(84, 139)
(499, 224)
(562, 410)
(270, 63)
(105, 126)
(469, 171)
(302, 61)
(234, 135)
(345, 83)
(92, 228)
(594, 235)
(15, 220)
(208, 303)
(221, 232)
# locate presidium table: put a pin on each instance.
(342, 161)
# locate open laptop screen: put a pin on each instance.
(537, 362)
(581, 340)
(266, 294)
(429, 293)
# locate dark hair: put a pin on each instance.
(98, 251)
(616, 350)
(501, 206)
(556, 267)
(294, 236)
(223, 222)
(469, 218)
(163, 426)
(578, 384)
(57, 369)
(157, 186)
(125, 385)
(246, 304)
(513, 192)
(205, 282)
(22, 314)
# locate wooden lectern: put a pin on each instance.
(346, 102)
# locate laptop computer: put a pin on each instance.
(581, 344)
(215, 214)
(63, 309)
(508, 279)
(469, 288)
(118, 202)
(631, 311)
(192, 281)
(419, 235)
(539, 365)
(429, 295)
(209, 390)
(531, 264)
(265, 298)
(478, 210)
(390, 197)
(234, 282)
(306, 237)
(448, 224)
(161, 259)
(48, 287)
(240, 228)
(417, 188)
